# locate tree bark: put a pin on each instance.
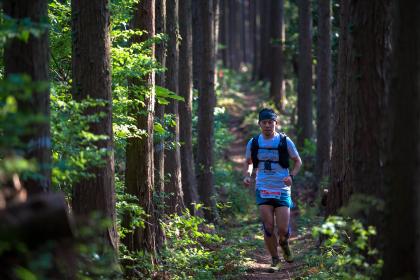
(402, 250)
(173, 187)
(160, 12)
(255, 28)
(264, 71)
(31, 58)
(139, 174)
(276, 54)
(197, 42)
(358, 139)
(92, 78)
(234, 46)
(189, 184)
(305, 127)
(42, 218)
(223, 34)
(323, 89)
(159, 159)
(206, 105)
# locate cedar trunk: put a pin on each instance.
(206, 105)
(92, 78)
(160, 13)
(139, 174)
(173, 186)
(358, 139)
(224, 32)
(234, 45)
(196, 42)
(323, 132)
(402, 251)
(255, 36)
(31, 58)
(264, 11)
(304, 104)
(189, 184)
(276, 54)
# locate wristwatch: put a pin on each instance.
(292, 176)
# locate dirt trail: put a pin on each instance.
(259, 266)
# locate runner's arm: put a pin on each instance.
(247, 172)
(297, 163)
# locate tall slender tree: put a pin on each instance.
(206, 105)
(264, 11)
(31, 58)
(173, 187)
(358, 139)
(304, 104)
(92, 78)
(196, 42)
(255, 30)
(139, 174)
(276, 54)
(323, 132)
(234, 44)
(159, 159)
(189, 183)
(402, 250)
(160, 12)
(224, 32)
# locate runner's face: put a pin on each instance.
(267, 127)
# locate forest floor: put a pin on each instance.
(258, 259)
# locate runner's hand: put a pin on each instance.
(287, 181)
(247, 180)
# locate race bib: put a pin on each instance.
(270, 194)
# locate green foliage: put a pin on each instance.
(308, 156)
(345, 252)
(73, 146)
(95, 259)
(196, 251)
(128, 206)
(362, 206)
(22, 29)
(15, 123)
(59, 14)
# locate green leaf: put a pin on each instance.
(25, 35)
(158, 128)
(24, 274)
(162, 92)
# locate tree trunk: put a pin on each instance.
(92, 78)
(31, 58)
(139, 174)
(241, 30)
(196, 42)
(173, 185)
(255, 36)
(264, 72)
(276, 54)
(402, 250)
(206, 105)
(160, 11)
(234, 45)
(358, 139)
(323, 89)
(189, 184)
(305, 127)
(224, 31)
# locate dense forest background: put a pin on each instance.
(123, 126)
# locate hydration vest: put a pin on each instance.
(281, 148)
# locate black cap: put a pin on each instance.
(267, 114)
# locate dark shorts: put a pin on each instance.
(284, 201)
